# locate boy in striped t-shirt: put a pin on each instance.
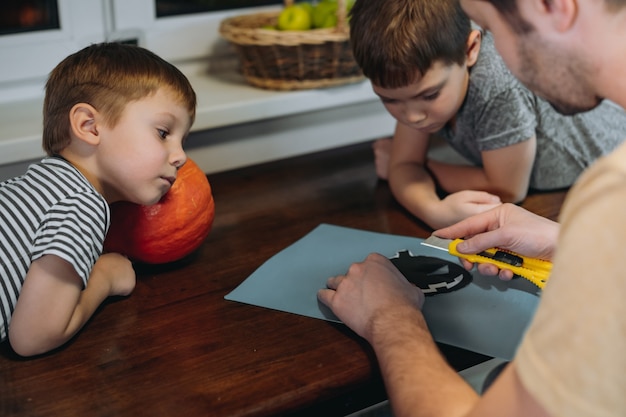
(115, 117)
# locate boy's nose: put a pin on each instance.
(178, 157)
(414, 114)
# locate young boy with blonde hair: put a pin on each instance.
(435, 74)
(115, 117)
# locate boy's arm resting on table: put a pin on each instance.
(379, 304)
(382, 150)
(53, 306)
(505, 172)
(414, 188)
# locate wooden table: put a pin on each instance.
(175, 347)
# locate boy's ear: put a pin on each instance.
(473, 47)
(84, 123)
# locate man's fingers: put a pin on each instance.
(326, 296)
(333, 282)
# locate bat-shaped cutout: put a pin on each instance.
(432, 275)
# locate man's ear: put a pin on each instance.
(84, 119)
(473, 47)
(564, 13)
(561, 14)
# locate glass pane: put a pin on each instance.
(178, 7)
(18, 16)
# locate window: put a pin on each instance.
(183, 32)
(180, 36)
(28, 16)
(28, 54)
(172, 8)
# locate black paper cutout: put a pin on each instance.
(432, 275)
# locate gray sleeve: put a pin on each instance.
(505, 119)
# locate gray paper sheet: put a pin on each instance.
(488, 316)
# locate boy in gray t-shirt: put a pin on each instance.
(435, 74)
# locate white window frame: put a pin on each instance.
(27, 58)
(186, 40)
(180, 39)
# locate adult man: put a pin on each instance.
(571, 360)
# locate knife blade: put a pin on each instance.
(535, 270)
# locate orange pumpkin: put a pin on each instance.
(169, 230)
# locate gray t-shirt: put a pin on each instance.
(499, 111)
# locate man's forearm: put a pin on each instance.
(418, 379)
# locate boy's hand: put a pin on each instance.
(461, 205)
(118, 271)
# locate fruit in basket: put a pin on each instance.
(321, 15)
(325, 14)
(329, 22)
(294, 17)
(307, 6)
(168, 230)
(349, 4)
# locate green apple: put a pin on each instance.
(349, 5)
(321, 12)
(294, 17)
(329, 22)
(307, 6)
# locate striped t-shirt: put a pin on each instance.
(50, 210)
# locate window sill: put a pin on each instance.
(223, 100)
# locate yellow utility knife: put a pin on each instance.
(535, 270)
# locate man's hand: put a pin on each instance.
(507, 227)
(369, 288)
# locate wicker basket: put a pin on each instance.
(292, 60)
